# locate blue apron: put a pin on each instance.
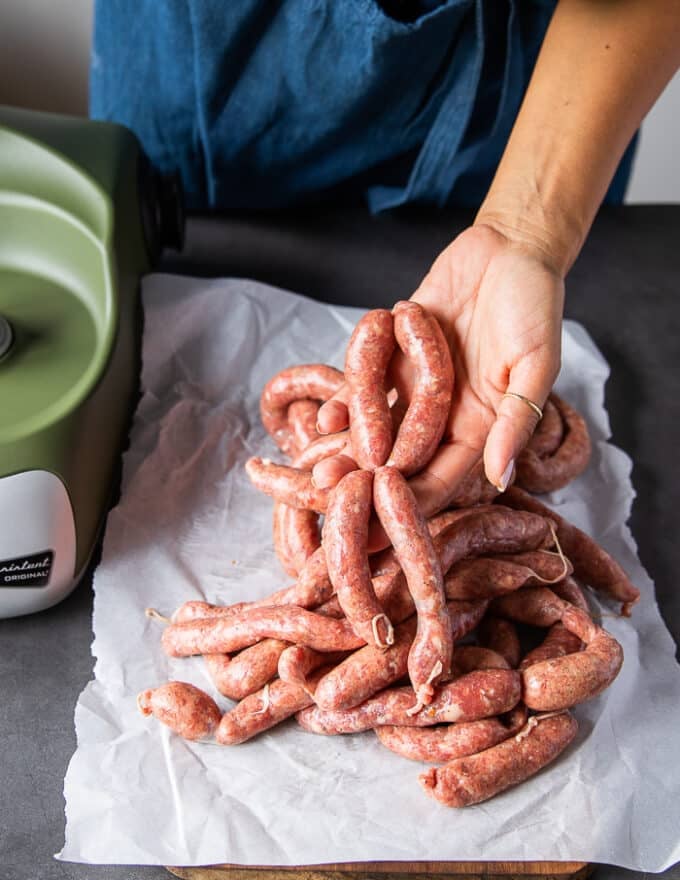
(267, 103)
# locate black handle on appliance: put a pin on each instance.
(161, 199)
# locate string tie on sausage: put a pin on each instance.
(560, 553)
(265, 701)
(389, 635)
(437, 670)
(534, 721)
(152, 614)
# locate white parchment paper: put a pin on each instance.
(190, 526)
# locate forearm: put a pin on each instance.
(602, 65)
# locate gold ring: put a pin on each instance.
(536, 408)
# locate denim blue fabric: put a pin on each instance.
(269, 103)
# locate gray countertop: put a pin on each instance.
(624, 288)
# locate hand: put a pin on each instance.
(500, 304)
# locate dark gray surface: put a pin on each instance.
(624, 289)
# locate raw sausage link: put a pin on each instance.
(421, 340)
(384, 562)
(479, 777)
(501, 636)
(397, 509)
(184, 708)
(467, 658)
(490, 529)
(279, 537)
(297, 662)
(565, 681)
(325, 447)
(299, 535)
(313, 381)
(437, 523)
(368, 354)
(217, 664)
(304, 595)
(223, 635)
(197, 610)
(537, 606)
(484, 577)
(570, 591)
(313, 588)
(549, 431)
(543, 566)
(345, 537)
(592, 564)
(441, 744)
(290, 485)
(249, 670)
(478, 694)
(313, 584)
(369, 670)
(312, 593)
(558, 642)
(302, 423)
(260, 711)
(366, 671)
(394, 596)
(570, 459)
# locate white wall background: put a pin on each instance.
(44, 56)
(656, 173)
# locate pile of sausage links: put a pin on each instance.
(461, 637)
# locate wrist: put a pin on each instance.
(534, 221)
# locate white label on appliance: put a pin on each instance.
(37, 542)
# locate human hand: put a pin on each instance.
(499, 303)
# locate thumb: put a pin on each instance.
(531, 378)
(333, 415)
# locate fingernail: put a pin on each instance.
(505, 478)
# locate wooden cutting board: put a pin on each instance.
(395, 871)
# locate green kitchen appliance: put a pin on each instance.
(83, 216)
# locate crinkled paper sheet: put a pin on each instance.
(190, 526)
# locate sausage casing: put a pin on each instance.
(345, 540)
(479, 777)
(563, 682)
(477, 694)
(290, 485)
(397, 509)
(223, 635)
(184, 708)
(368, 355)
(592, 564)
(312, 381)
(420, 338)
(436, 745)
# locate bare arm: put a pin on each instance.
(602, 65)
(498, 289)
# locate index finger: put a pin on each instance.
(437, 485)
(333, 415)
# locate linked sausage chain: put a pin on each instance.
(372, 641)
